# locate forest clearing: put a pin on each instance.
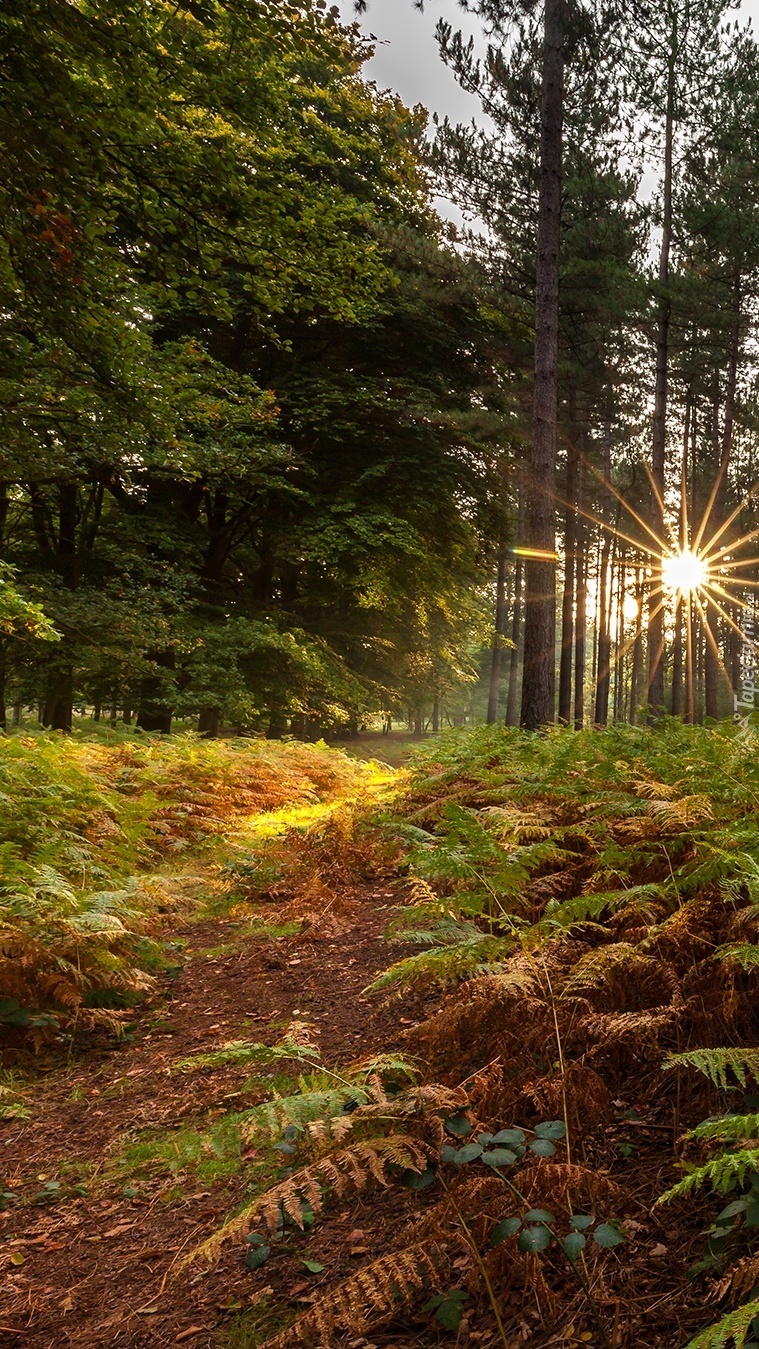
(466, 1057)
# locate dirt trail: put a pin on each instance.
(95, 1268)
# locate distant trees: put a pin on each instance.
(653, 363)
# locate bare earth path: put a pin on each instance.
(89, 1261)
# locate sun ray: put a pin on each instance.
(734, 625)
(716, 537)
(711, 640)
(662, 507)
(661, 546)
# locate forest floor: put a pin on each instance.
(95, 1268)
(120, 1162)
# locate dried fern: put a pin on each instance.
(375, 1293)
(340, 1171)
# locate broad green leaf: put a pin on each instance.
(499, 1157)
(468, 1153)
(534, 1239)
(507, 1227)
(542, 1147)
(572, 1245)
(508, 1136)
(608, 1236)
(257, 1257)
(552, 1128)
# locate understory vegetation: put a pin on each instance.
(588, 904)
(558, 1145)
(105, 841)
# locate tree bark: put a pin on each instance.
(539, 669)
(496, 658)
(655, 692)
(581, 607)
(516, 619)
(567, 599)
(209, 721)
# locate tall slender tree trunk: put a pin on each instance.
(539, 671)
(637, 658)
(619, 659)
(567, 601)
(581, 605)
(658, 449)
(604, 604)
(496, 659)
(516, 619)
(722, 446)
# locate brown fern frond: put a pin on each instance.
(340, 1171)
(374, 1294)
(564, 1185)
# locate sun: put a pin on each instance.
(685, 572)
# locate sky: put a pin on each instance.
(407, 57)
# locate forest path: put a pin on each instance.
(124, 1166)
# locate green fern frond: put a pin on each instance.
(733, 1329)
(443, 965)
(717, 1063)
(271, 1118)
(727, 1128)
(722, 1174)
(744, 954)
(246, 1051)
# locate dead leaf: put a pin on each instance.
(118, 1229)
(358, 1250)
(17, 1258)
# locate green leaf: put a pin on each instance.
(608, 1236)
(507, 1227)
(448, 1308)
(459, 1126)
(312, 1266)
(573, 1245)
(508, 1136)
(534, 1239)
(542, 1147)
(552, 1128)
(255, 1258)
(414, 1180)
(539, 1215)
(255, 1239)
(468, 1153)
(581, 1221)
(499, 1157)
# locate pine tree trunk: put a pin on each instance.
(581, 606)
(655, 694)
(637, 660)
(539, 667)
(567, 599)
(496, 658)
(516, 620)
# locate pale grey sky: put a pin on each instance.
(407, 57)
